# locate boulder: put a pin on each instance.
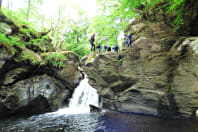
(23, 92)
(38, 105)
(94, 108)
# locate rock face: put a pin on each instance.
(26, 89)
(185, 75)
(163, 83)
(31, 80)
(157, 76)
(22, 92)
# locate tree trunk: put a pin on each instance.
(28, 10)
(8, 4)
(0, 3)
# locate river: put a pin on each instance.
(77, 118)
(96, 122)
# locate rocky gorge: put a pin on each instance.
(158, 75)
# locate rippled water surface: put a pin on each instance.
(104, 122)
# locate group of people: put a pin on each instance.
(115, 48)
(99, 47)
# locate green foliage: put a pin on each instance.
(41, 43)
(177, 7)
(75, 40)
(57, 59)
(5, 42)
(115, 16)
(35, 59)
(17, 18)
(10, 40)
(14, 40)
(4, 39)
(73, 35)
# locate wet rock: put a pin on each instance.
(167, 106)
(2, 62)
(21, 93)
(4, 111)
(38, 105)
(70, 74)
(94, 108)
(196, 113)
(4, 56)
(13, 75)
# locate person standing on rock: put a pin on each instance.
(99, 47)
(115, 48)
(105, 47)
(92, 39)
(129, 39)
(109, 48)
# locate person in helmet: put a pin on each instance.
(92, 39)
(98, 47)
(115, 48)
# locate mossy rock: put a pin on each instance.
(5, 28)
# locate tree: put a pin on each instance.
(1, 3)
(28, 10)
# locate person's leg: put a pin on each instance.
(94, 47)
(105, 49)
(116, 49)
(91, 47)
(130, 43)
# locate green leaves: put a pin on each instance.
(56, 59)
(75, 40)
(4, 39)
(177, 7)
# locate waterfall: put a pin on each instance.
(83, 96)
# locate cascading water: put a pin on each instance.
(69, 119)
(83, 96)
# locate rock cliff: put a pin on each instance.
(33, 78)
(158, 75)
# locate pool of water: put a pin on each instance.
(96, 122)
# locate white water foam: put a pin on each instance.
(83, 96)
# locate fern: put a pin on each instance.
(177, 7)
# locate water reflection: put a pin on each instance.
(103, 122)
(136, 123)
